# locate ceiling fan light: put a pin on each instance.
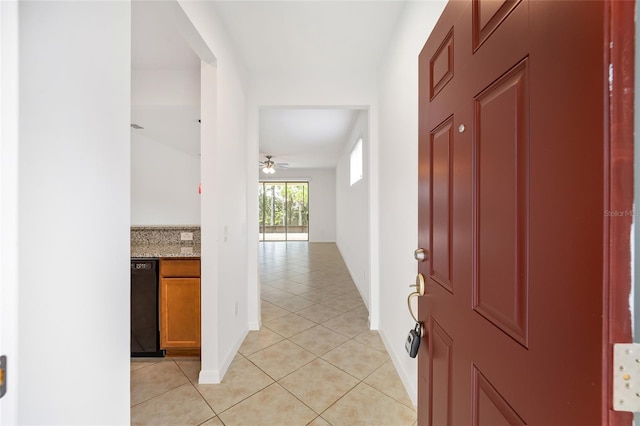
(269, 166)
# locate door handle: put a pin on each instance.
(419, 285)
(420, 254)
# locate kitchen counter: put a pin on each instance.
(140, 250)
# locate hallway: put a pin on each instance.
(313, 362)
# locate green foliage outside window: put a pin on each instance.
(284, 201)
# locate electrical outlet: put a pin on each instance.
(186, 236)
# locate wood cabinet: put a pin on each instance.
(179, 303)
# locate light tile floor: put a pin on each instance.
(314, 362)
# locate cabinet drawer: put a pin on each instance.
(180, 267)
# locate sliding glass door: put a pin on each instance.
(284, 211)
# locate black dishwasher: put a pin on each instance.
(145, 332)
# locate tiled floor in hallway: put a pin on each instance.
(313, 363)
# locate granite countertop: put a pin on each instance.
(140, 250)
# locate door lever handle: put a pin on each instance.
(419, 285)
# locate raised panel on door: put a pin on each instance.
(440, 348)
(441, 187)
(441, 65)
(501, 200)
(487, 17)
(490, 408)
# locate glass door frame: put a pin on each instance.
(262, 194)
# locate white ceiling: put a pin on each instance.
(280, 37)
(307, 36)
(305, 138)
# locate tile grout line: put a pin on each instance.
(215, 413)
(340, 280)
(240, 401)
(165, 392)
(318, 415)
(360, 381)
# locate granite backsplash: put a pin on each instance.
(162, 234)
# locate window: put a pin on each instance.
(284, 211)
(355, 160)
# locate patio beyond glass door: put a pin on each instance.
(284, 211)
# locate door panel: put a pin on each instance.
(489, 407)
(441, 370)
(441, 65)
(487, 16)
(441, 145)
(511, 187)
(500, 163)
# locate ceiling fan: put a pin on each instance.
(269, 166)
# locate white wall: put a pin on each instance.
(322, 200)
(398, 126)
(73, 232)
(165, 160)
(353, 226)
(224, 198)
(165, 87)
(164, 184)
(9, 206)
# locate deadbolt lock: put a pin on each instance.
(420, 255)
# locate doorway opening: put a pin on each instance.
(284, 211)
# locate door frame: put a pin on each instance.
(618, 197)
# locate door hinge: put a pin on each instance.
(3, 375)
(626, 377)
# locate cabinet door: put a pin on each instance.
(179, 313)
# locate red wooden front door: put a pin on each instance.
(512, 186)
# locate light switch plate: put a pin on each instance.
(186, 236)
(626, 377)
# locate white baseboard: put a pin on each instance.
(255, 326)
(214, 377)
(409, 385)
(226, 362)
(209, 377)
